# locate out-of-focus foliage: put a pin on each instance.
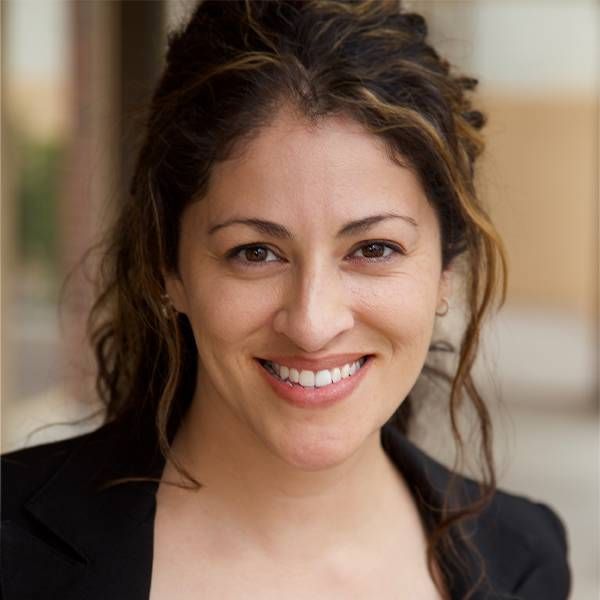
(37, 191)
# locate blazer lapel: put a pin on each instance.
(89, 542)
(489, 532)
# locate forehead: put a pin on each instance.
(335, 164)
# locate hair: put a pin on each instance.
(227, 71)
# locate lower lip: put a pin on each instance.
(313, 397)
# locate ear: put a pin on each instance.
(445, 286)
(176, 291)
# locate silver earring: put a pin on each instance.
(445, 310)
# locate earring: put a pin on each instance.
(166, 306)
(447, 308)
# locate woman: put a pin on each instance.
(302, 209)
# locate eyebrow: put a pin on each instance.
(279, 231)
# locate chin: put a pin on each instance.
(318, 449)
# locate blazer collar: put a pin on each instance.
(73, 504)
(110, 530)
(104, 534)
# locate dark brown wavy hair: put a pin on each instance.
(227, 71)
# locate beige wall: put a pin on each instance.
(539, 178)
(538, 66)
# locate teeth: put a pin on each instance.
(307, 379)
(316, 379)
(323, 378)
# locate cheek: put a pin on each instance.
(402, 313)
(225, 311)
(402, 308)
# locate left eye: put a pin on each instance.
(377, 250)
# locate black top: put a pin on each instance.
(64, 538)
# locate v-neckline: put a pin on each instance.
(425, 478)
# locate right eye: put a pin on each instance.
(251, 254)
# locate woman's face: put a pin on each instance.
(311, 251)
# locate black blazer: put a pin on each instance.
(63, 538)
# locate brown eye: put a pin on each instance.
(377, 252)
(252, 255)
(373, 250)
(255, 254)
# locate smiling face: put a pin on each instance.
(339, 258)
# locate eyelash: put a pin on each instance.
(232, 255)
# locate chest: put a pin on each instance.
(187, 567)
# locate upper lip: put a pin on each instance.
(315, 364)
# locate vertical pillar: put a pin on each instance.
(142, 47)
(90, 179)
(117, 56)
(7, 236)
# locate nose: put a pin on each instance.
(316, 308)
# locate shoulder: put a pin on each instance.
(67, 532)
(525, 547)
(519, 543)
(521, 546)
(25, 471)
(530, 521)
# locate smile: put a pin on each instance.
(308, 379)
(311, 389)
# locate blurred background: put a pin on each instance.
(75, 77)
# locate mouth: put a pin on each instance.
(315, 389)
(323, 378)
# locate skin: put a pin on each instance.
(297, 485)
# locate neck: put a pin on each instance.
(281, 509)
